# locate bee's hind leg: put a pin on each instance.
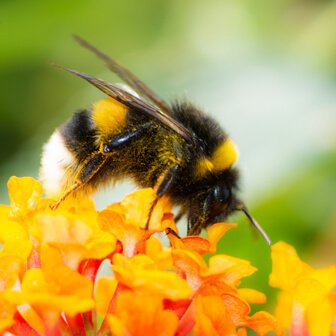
(90, 167)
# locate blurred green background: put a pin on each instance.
(265, 69)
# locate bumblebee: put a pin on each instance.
(177, 149)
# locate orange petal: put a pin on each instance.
(141, 274)
(190, 264)
(140, 315)
(137, 205)
(237, 308)
(130, 236)
(55, 288)
(161, 256)
(7, 311)
(105, 288)
(197, 244)
(252, 295)
(212, 318)
(231, 268)
(11, 268)
(216, 232)
(76, 239)
(32, 318)
(263, 323)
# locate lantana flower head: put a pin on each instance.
(49, 283)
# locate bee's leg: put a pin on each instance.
(194, 229)
(197, 221)
(179, 215)
(65, 195)
(90, 167)
(171, 231)
(165, 181)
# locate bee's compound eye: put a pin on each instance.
(221, 194)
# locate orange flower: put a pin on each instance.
(212, 317)
(306, 302)
(75, 238)
(127, 220)
(199, 244)
(215, 290)
(54, 288)
(105, 289)
(7, 311)
(142, 275)
(139, 314)
(221, 269)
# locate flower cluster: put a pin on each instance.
(52, 283)
(307, 302)
(49, 260)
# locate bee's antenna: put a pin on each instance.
(255, 224)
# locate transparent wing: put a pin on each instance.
(136, 103)
(127, 76)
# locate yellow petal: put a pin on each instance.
(23, 194)
(325, 276)
(287, 266)
(320, 317)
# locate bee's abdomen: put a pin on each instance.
(79, 134)
(56, 161)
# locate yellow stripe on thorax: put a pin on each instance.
(224, 156)
(109, 115)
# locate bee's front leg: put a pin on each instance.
(162, 186)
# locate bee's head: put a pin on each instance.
(221, 196)
(216, 201)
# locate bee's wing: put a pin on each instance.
(132, 101)
(127, 76)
